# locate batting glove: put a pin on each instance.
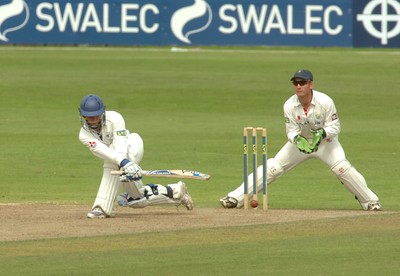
(132, 171)
(318, 135)
(124, 178)
(302, 144)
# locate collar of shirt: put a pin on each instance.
(297, 103)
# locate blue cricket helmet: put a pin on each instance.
(91, 106)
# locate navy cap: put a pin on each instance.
(302, 74)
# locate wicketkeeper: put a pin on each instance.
(312, 128)
(105, 135)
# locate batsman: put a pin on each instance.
(105, 135)
(312, 128)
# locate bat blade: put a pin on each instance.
(172, 174)
(178, 174)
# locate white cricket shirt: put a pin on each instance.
(111, 144)
(320, 114)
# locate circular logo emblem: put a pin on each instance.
(384, 19)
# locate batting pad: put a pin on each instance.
(108, 190)
(159, 196)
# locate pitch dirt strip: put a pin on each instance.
(43, 221)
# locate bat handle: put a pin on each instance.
(117, 173)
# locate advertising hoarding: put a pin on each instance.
(358, 23)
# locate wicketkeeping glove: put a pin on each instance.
(318, 135)
(302, 144)
(132, 171)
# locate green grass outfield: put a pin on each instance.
(190, 108)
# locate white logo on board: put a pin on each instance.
(183, 16)
(8, 11)
(385, 19)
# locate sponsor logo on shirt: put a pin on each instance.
(121, 133)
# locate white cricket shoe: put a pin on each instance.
(228, 202)
(184, 196)
(97, 212)
(374, 206)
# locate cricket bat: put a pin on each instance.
(172, 174)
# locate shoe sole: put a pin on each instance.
(186, 199)
(228, 204)
(92, 216)
(100, 214)
(188, 202)
(223, 204)
(375, 209)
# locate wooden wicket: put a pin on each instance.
(254, 133)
